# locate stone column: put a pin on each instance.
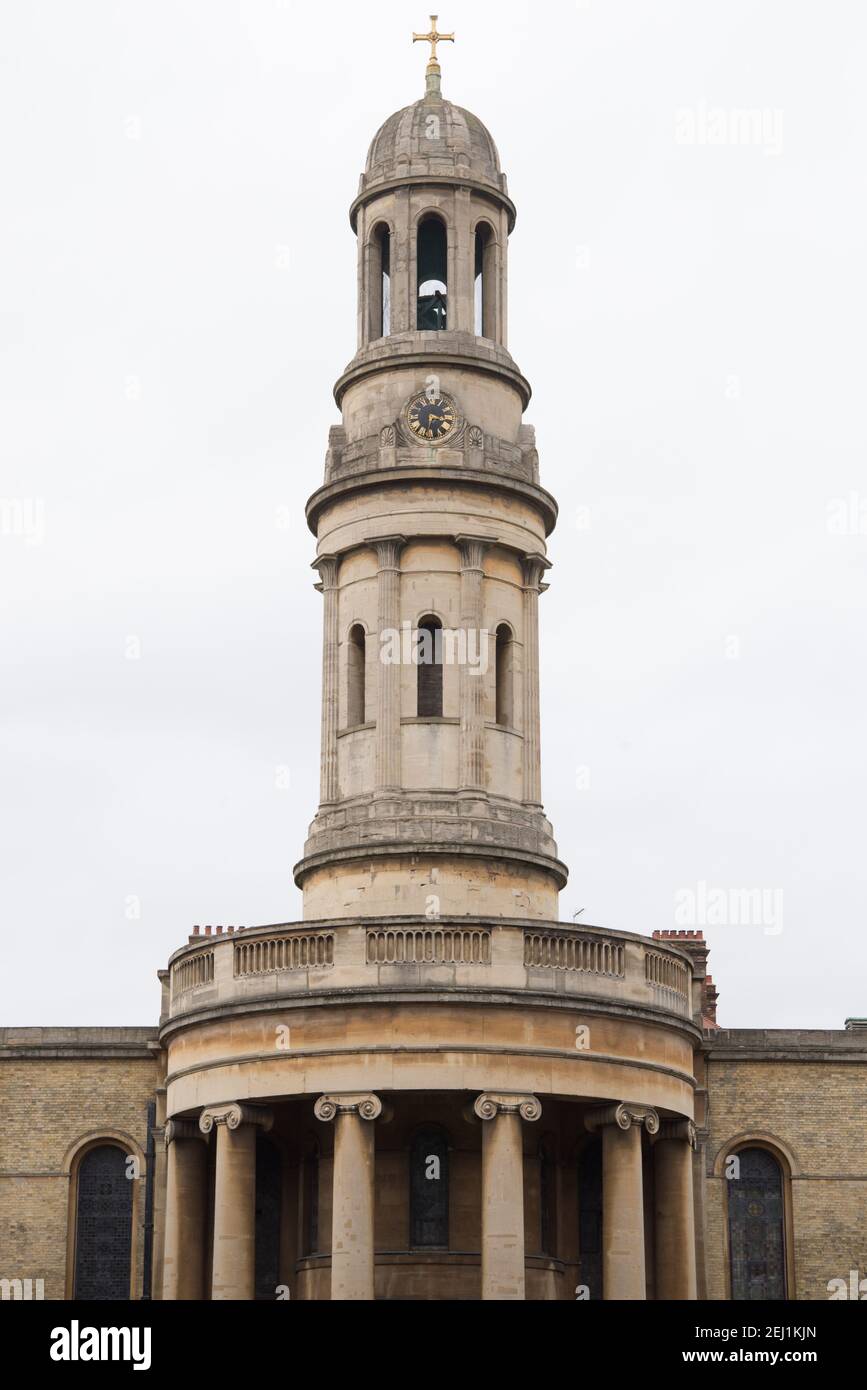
(403, 289)
(503, 1191)
(623, 1271)
(327, 565)
(388, 550)
(234, 1273)
(472, 777)
(352, 1234)
(462, 308)
(674, 1231)
(534, 568)
(186, 1207)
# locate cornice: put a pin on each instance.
(410, 473)
(409, 182)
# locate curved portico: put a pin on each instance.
(341, 1036)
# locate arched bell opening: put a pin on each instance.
(432, 275)
(485, 282)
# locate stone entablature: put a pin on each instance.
(394, 954)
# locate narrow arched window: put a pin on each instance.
(548, 1197)
(429, 1190)
(429, 658)
(379, 283)
(355, 678)
(485, 282)
(103, 1225)
(432, 268)
(590, 1218)
(505, 677)
(268, 1199)
(757, 1246)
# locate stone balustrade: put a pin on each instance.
(403, 953)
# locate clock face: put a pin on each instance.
(431, 417)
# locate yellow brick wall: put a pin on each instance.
(47, 1107)
(818, 1109)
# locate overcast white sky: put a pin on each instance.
(177, 287)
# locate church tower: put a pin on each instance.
(431, 531)
(429, 1088)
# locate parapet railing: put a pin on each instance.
(269, 962)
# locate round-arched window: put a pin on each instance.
(103, 1225)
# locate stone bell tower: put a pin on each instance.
(431, 531)
(429, 1088)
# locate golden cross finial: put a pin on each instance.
(433, 38)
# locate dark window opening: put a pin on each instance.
(429, 1190)
(432, 267)
(103, 1226)
(268, 1201)
(548, 1198)
(484, 284)
(429, 657)
(355, 705)
(590, 1219)
(756, 1228)
(310, 1224)
(386, 285)
(505, 677)
(379, 286)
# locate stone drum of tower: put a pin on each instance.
(431, 535)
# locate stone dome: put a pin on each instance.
(432, 137)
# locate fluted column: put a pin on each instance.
(623, 1272)
(234, 1264)
(327, 566)
(472, 681)
(534, 567)
(388, 550)
(186, 1207)
(674, 1231)
(503, 1191)
(352, 1273)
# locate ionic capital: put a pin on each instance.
(363, 1104)
(181, 1129)
(624, 1116)
(684, 1130)
(233, 1116)
(490, 1104)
